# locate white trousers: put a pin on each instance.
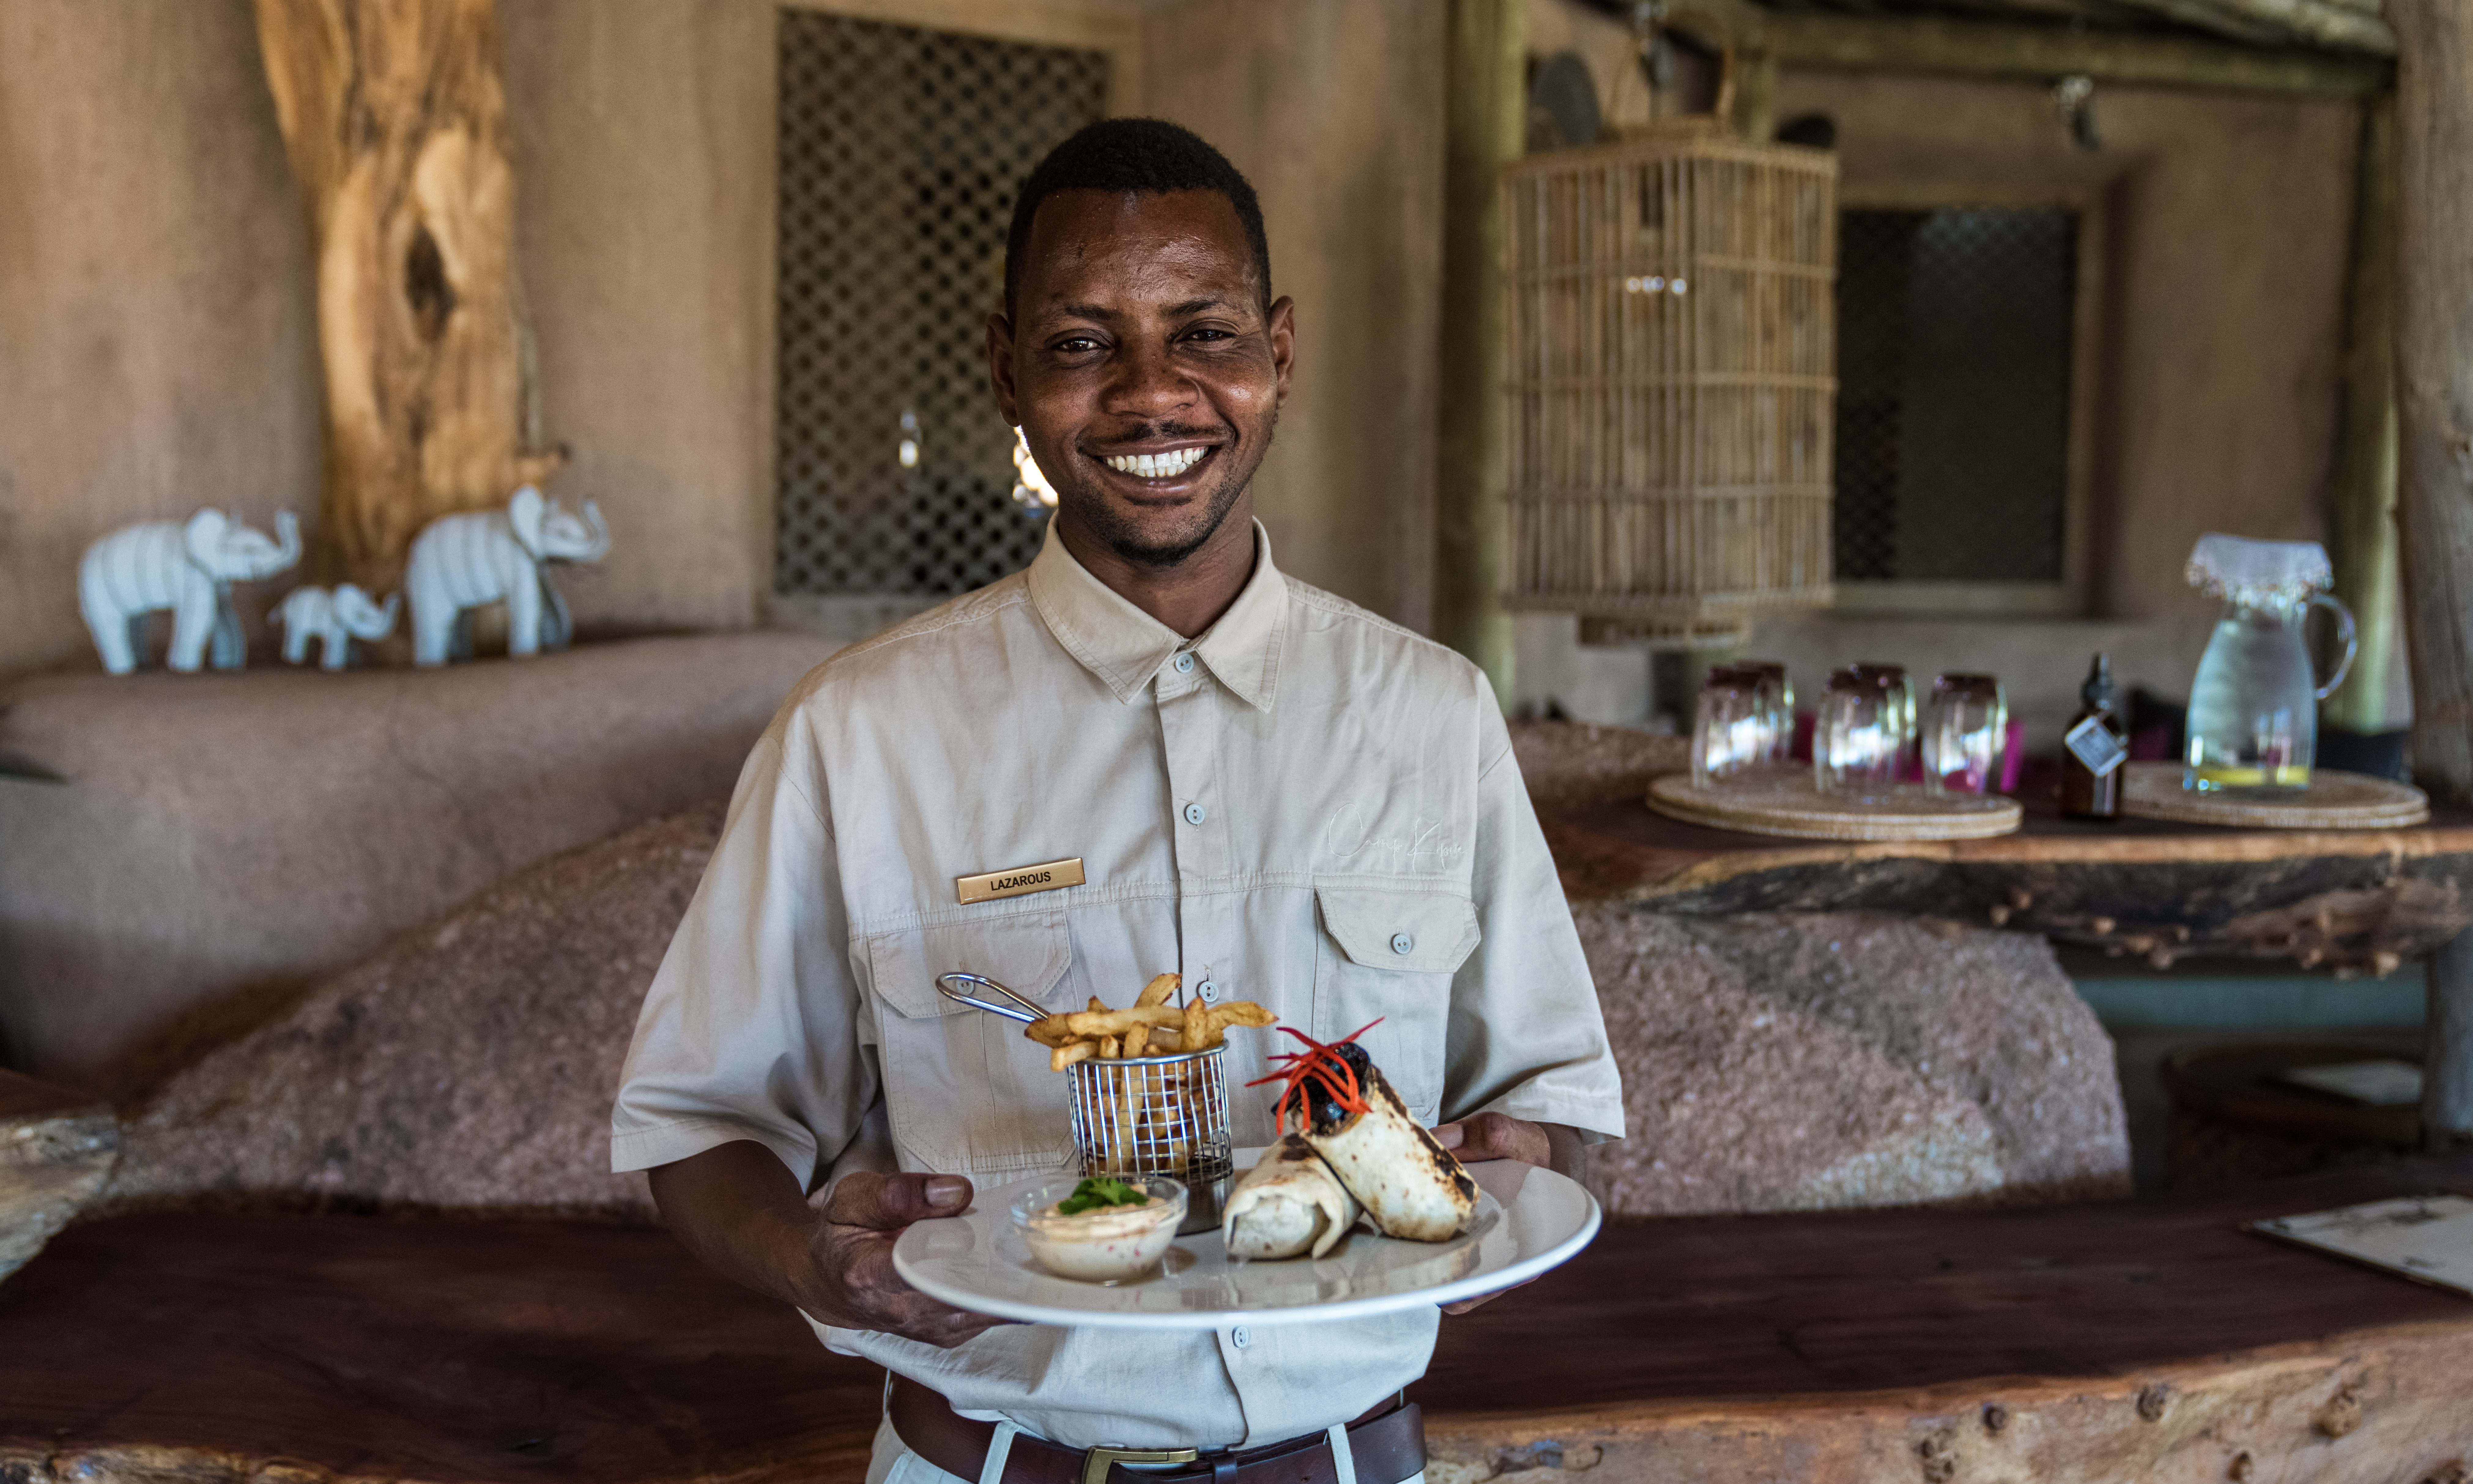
(894, 1464)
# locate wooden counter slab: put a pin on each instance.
(1857, 1347)
(2147, 1340)
(2359, 899)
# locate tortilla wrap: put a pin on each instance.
(1409, 1185)
(1287, 1204)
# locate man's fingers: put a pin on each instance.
(885, 1203)
(1493, 1136)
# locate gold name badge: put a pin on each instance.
(1021, 881)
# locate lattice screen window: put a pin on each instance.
(1954, 331)
(901, 151)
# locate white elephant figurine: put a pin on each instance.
(463, 561)
(334, 619)
(188, 566)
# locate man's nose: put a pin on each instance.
(1148, 383)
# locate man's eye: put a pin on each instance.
(1076, 346)
(1206, 332)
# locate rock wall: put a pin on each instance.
(470, 1063)
(1770, 1063)
(1799, 1062)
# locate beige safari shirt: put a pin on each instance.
(1307, 806)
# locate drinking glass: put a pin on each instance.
(1729, 730)
(1892, 678)
(1777, 709)
(1966, 726)
(1865, 730)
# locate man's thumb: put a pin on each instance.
(889, 1202)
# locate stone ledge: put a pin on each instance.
(224, 839)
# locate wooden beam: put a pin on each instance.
(2032, 53)
(2316, 23)
(395, 115)
(1484, 114)
(2435, 473)
(2361, 524)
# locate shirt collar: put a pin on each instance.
(1125, 647)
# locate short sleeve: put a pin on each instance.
(751, 1028)
(1526, 1038)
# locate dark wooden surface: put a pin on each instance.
(1780, 1306)
(22, 1097)
(448, 1350)
(422, 1350)
(2146, 888)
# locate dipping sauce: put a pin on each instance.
(1077, 1229)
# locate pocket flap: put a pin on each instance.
(1423, 932)
(1026, 952)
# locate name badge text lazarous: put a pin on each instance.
(1018, 881)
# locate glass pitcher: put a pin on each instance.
(2254, 706)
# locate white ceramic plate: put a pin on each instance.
(1528, 1220)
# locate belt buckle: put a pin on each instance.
(1096, 1462)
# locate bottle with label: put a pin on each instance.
(2093, 750)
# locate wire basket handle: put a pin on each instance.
(1022, 1009)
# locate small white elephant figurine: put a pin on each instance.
(334, 619)
(461, 562)
(188, 566)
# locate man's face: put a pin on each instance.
(1142, 367)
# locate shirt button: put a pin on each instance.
(1184, 664)
(1239, 1338)
(1209, 990)
(1401, 943)
(1194, 814)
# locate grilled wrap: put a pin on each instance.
(1287, 1204)
(1409, 1185)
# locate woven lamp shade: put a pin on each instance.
(1671, 379)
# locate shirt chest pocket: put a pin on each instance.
(965, 1090)
(1388, 954)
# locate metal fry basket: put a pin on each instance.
(1158, 1116)
(1137, 1116)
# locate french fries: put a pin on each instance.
(1150, 1027)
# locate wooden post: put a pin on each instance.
(2435, 473)
(394, 118)
(1484, 122)
(2362, 505)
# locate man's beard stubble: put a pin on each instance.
(1122, 537)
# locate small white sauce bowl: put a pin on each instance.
(1099, 1247)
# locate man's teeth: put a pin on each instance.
(1158, 466)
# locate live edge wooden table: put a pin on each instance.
(2148, 1340)
(2352, 901)
(2349, 899)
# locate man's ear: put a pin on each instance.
(1283, 325)
(1000, 366)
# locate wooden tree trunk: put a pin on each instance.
(396, 119)
(1484, 118)
(2434, 472)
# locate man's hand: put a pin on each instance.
(737, 1207)
(1494, 1136)
(847, 1278)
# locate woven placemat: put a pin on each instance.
(2332, 800)
(1795, 809)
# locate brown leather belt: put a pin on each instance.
(1388, 1445)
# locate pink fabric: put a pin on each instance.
(2013, 755)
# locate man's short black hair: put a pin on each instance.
(1120, 155)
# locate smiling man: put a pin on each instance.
(1219, 770)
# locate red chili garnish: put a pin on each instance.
(1323, 1064)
